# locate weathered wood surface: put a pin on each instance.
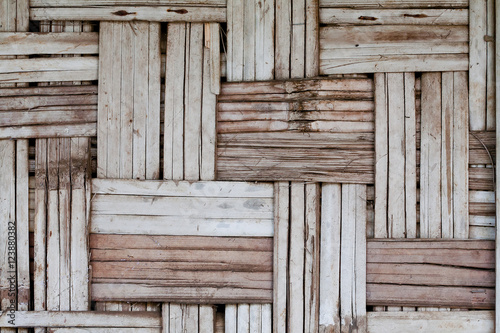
(431, 322)
(129, 101)
(319, 130)
(184, 209)
(38, 112)
(393, 4)
(133, 12)
(456, 274)
(29, 43)
(389, 48)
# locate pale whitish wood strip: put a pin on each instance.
(248, 39)
(410, 156)
(82, 319)
(26, 43)
(280, 272)
(230, 322)
(432, 322)
(255, 318)
(481, 232)
(297, 50)
(264, 39)
(127, 13)
(477, 65)
(85, 3)
(329, 275)
(312, 38)
(50, 116)
(460, 156)
(482, 221)
(80, 154)
(40, 226)
(64, 224)
(203, 295)
(190, 318)
(301, 106)
(267, 318)
(395, 63)
(394, 16)
(8, 218)
(165, 317)
(235, 36)
(430, 174)
(300, 125)
(141, 98)
(192, 207)
(22, 12)
(48, 69)
(353, 259)
(206, 319)
(208, 121)
(392, 4)
(183, 226)
(482, 196)
(243, 318)
(175, 317)
(296, 260)
(283, 40)
(182, 188)
(311, 257)
(447, 156)
(48, 131)
(22, 225)
(396, 149)
(215, 57)
(173, 154)
(386, 49)
(490, 67)
(381, 154)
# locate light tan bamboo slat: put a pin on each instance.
(30, 43)
(478, 64)
(392, 4)
(130, 13)
(490, 66)
(497, 171)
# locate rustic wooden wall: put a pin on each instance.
(253, 166)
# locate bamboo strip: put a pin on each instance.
(29, 43)
(298, 34)
(208, 118)
(329, 320)
(410, 156)
(283, 39)
(497, 172)
(392, 4)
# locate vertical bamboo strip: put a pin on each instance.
(497, 171)
(231, 312)
(250, 16)
(214, 47)
(447, 155)
(280, 271)
(296, 260)
(430, 174)
(410, 156)
(329, 274)
(173, 155)
(283, 39)
(207, 319)
(235, 37)
(243, 318)
(477, 64)
(312, 38)
(64, 224)
(298, 51)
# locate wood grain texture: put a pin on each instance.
(295, 130)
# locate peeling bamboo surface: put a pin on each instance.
(284, 130)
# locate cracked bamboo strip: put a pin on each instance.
(497, 171)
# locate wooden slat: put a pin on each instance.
(28, 43)
(81, 319)
(40, 226)
(298, 34)
(280, 271)
(83, 3)
(312, 38)
(283, 40)
(394, 16)
(235, 38)
(129, 13)
(497, 172)
(329, 320)
(432, 322)
(410, 156)
(392, 4)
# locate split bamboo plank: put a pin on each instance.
(432, 322)
(206, 319)
(22, 226)
(372, 16)
(83, 3)
(353, 259)
(280, 266)
(243, 318)
(173, 167)
(235, 55)
(283, 40)
(29, 43)
(82, 319)
(447, 118)
(8, 263)
(329, 320)
(312, 38)
(129, 124)
(298, 34)
(477, 64)
(130, 13)
(490, 66)
(64, 224)
(392, 4)
(208, 116)
(230, 320)
(411, 157)
(430, 175)
(215, 57)
(48, 69)
(364, 49)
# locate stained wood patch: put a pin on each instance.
(459, 274)
(315, 130)
(51, 111)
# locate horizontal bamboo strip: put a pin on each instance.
(48, 69)
(393, 4)
(432, 322)
(81, 319)
(85, 3)
(130, 13)
(394, 16)
(27, 43)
